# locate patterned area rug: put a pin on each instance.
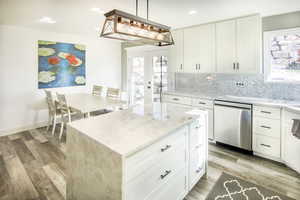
(232, 188)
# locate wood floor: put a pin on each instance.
(32, 167)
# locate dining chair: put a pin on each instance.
(113, 93)
(65, 110)
(54, 111)
(97, 90)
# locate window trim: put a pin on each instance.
(267, 64)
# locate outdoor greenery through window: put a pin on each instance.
(282, 55)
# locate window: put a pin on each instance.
(282, 55)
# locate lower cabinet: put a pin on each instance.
(168, 169)
(267, 132)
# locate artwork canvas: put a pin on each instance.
(60, 64)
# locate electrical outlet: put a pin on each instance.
(240, 84)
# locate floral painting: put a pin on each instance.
(60, 64)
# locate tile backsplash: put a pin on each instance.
(232, 84)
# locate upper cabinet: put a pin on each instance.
(199, 49)
(176, 52)
(238, 44)
(248, 44)
(232, 46)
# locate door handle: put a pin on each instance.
(265, 112)
(267, 127)
(165, 148)
(198, 170)
(266, 145)
(167, 172)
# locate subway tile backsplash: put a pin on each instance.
(232, 84)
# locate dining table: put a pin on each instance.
(87, 103)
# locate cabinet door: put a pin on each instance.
(176, 52)
(191, 49)
(226, 46)
(199, 49)
(248, 44)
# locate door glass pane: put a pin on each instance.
(160, 67)
(137, 81)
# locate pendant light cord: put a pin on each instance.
(147, 9)
(137, 8)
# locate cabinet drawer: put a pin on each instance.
(267, 127)
(141, 161)
(174, 189)
(178, 99)
(272, 113)
(266, 145)
(158, 174)
(202, 103)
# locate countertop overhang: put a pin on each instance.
(128, 131)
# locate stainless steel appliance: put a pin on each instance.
(233, 124)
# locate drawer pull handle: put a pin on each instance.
(165, 148)
(175, 99)
(198, 146)
(201, 103)
(265, 112)
(166, 174)
(267, 127)
(198, 170)
(265, 145)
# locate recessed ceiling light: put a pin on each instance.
(97, 10)
(192, 12)
(47, 20)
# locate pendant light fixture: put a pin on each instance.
(127, 27)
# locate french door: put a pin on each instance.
(146, 76)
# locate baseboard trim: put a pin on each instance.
(20, 129)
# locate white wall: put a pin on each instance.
(22, 104)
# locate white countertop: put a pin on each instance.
(294, 105)
(128, 131)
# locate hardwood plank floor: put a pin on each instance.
(32, 166)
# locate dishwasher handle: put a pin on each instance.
(234, 105)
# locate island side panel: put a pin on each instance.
(94, 171)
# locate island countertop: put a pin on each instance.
(128, 131)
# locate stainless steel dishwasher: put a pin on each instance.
(233, 124)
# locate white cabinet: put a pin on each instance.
(226, 46)
(267, 132)
(199, 49)
(291, 144)
(197, 152)
(248, 43)
(176, 52)
(238, 44)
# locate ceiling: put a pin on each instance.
(76, 17)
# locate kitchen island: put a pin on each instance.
(154, 152)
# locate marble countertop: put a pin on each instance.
(294, 105)
(128, 131)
